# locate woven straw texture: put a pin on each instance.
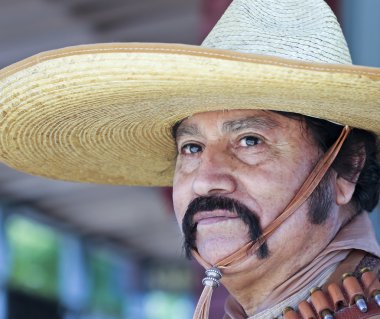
(103, 113)
(305, 30)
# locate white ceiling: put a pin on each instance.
(140, 218)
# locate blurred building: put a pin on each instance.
(71, 250)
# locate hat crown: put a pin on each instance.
(304, 30)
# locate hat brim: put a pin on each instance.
(103, 113)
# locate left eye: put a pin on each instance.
(248, 141)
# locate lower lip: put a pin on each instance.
(213, 220)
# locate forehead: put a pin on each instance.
(235, 120)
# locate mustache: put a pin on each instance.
(211, 203)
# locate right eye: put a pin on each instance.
(191, 148)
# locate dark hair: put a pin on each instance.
(360, 145)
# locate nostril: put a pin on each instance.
(212, 184)
(216, 191)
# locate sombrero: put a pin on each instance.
(103, 113)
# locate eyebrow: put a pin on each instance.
(184, 129)
(257, 122)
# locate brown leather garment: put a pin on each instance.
(346, 313)
(354, 313)
(339, 299)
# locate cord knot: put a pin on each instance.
(213, 275)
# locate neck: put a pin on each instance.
(273, 282)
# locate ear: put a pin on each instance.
(345, 188)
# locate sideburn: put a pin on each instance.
(320, 201)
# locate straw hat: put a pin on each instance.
(103, 113)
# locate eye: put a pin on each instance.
(191, 148)
(248, 141)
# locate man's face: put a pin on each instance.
(256, 158)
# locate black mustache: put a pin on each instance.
(211, 203)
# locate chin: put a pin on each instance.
(216, 249)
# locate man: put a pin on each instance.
(270, 192)
(246, 158)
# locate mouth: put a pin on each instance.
(211, 217)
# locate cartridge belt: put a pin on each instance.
(346, 295)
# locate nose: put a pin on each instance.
(214, 174)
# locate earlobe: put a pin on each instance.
(344, 190)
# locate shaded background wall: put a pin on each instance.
(361, 23)
(71, 250)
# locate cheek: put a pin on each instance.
(297, 236)
(272, 186)
(185, 165)
(181, 196)
(178, 209)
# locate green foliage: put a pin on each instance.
(106, 292)
(34, 255)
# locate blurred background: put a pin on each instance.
(71, 250)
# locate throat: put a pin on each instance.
(264, 297)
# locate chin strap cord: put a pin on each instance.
(210, 282)
(214, 273)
